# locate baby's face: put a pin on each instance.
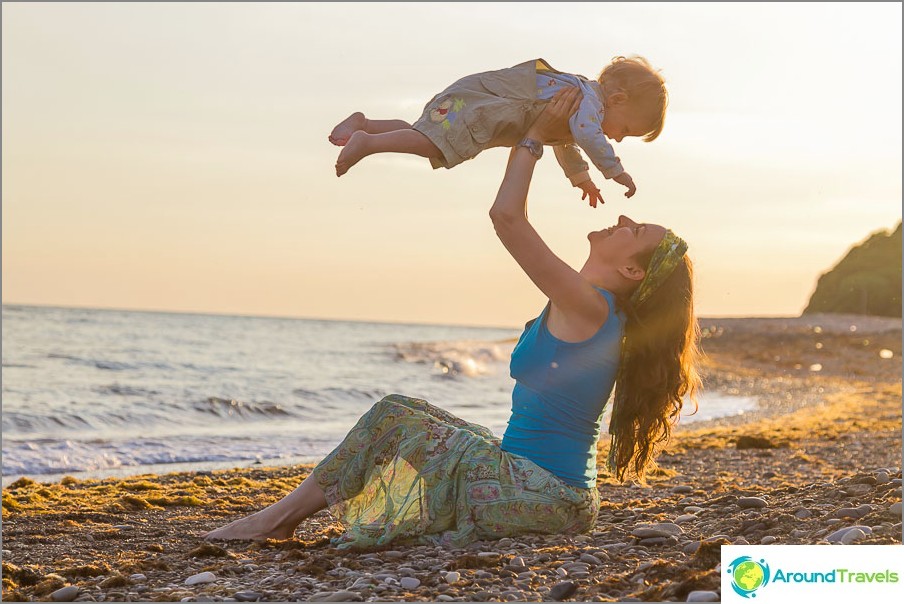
(620, 121)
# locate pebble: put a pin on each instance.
(895, 508)
(882, 477)
(563, 590)
(838, 535)
(752, 502)
(590, 559)
(452, 576)
(857, 489)
(65, 594)
(205, 577)
(855, 534)
(444, 598)
(561, 572)
(336, 596)
(803, 513)
(856, 513)
(685, 518)
(663, 529)
(384, 576)
(703, 596)
(764, 541)
(519, 561)
(409, 583)
(575, 566)
(393, 554)
(654, 541)
(137, 578)
(716, 538)
(691, 547)
(681, 489)
(693, 509)
(247, 596)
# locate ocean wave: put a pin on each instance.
(464, 358)
(14, 422)
(72, 456)
(58, 456)
(124, 390)
(108, 365)
(231, 408)
(329, 397)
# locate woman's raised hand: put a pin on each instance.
(552, 123)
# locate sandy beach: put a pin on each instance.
(820, 454)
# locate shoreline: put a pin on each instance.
(821, 455)
(126, 472)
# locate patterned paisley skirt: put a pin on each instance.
(411, 472)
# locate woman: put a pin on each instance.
(409, 470)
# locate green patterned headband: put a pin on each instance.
(666, 257)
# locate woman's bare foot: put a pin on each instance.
(250, 528)
(341, 133)
(354, 151)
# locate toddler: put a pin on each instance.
(495, 109)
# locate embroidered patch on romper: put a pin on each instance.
(446, 111)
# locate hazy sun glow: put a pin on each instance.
(174, 156)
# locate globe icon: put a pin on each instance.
(748, 575)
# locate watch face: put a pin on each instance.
(535, 148)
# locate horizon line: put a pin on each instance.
(339, 319)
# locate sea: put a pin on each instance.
(94, 393)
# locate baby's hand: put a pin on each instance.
(592, 191)
(625, 179)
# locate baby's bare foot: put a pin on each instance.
(341, 133)
(250, 528)
(353, 152)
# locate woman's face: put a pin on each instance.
(625, 239)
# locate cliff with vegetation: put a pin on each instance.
(867, 281)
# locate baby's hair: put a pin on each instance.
(644, 86)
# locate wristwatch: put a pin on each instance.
(534, 146)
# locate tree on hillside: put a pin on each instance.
(866, 281)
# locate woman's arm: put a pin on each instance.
(577, 308)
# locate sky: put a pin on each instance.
(174, 156)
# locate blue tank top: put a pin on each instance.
(561, 389)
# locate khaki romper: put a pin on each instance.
(481, 111)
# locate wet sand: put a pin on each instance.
(820, 454)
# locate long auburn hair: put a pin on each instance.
(659, 358)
